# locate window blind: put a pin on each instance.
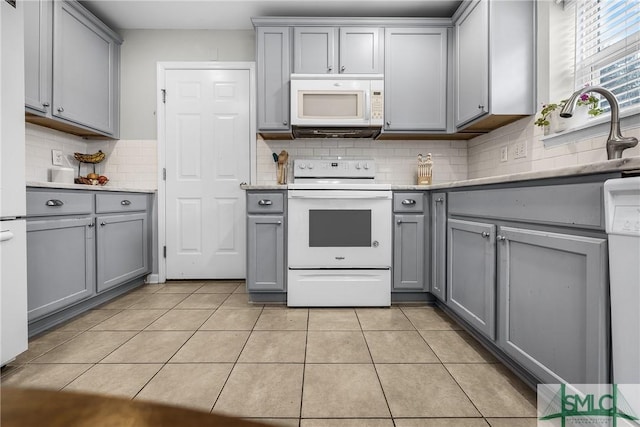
(608, 48)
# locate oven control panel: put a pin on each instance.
(334, 168)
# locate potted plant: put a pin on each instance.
(549, 114)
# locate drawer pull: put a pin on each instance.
(408, 202)
(103, 223)
(264, 202)
(54, 202)
(439, 200)
(501, 238)
(125, 202)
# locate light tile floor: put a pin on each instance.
(203, 345)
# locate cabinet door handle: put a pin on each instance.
(54, 202)
(481, 107)
(102, 224)
(45, 104)
(388, 123)
(285, 123)
(501, 238)
(264, 202)
(409, 202)
(60, 109)
(486, 234)
(439, 200)
(125, 202)
(399, 221)
(330, 68)
(91, 225)
(343, 68)
(279, 222)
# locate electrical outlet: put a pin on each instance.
(520, 150)
(57, 158)
(504, 154)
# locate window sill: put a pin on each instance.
(629, 119)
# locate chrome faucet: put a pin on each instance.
(616, 143)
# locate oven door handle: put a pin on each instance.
(322, 194)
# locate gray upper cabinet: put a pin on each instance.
(415, 79)
(72, 68)
(409, 242)
(472, 63)
(471, 273)
(38, 50)
(329, 50)
(439, 245)
(85, 69)
(494, 64)
(273, 45)
(553, 306)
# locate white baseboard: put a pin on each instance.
(153, 278)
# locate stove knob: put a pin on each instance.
(366, 165)
(358, 166)
(302, 166)
(310, 166)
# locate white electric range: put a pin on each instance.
(339, 235)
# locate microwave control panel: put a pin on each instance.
(377, 105)
(377, 102)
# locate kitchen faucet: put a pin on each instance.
(616, 143)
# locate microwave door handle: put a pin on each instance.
(367, 105)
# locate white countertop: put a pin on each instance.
(616, 165)
(106, 187)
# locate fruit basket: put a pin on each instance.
(91, 178)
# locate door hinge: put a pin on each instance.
(164, 174)
(164, 95)
(164, 251)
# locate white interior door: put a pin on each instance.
(207, 152)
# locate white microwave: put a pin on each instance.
(351, 100)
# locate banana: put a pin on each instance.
(90, 158)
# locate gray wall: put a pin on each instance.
(143, 49)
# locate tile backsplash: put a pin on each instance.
(129, 163)
(484, 151)
(396, 161)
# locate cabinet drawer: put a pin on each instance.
(408, 202)
(265, 202)
(120, 202)
(46, 203)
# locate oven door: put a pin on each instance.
(339, 229)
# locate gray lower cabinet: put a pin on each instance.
(553, 304)
(471, 273)
(409, 260)
(265, 253)
(266, 260)
(527, 268)
(438, 285)
(122, 248)
(81, 243)
(60, 263)
(408, 252)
